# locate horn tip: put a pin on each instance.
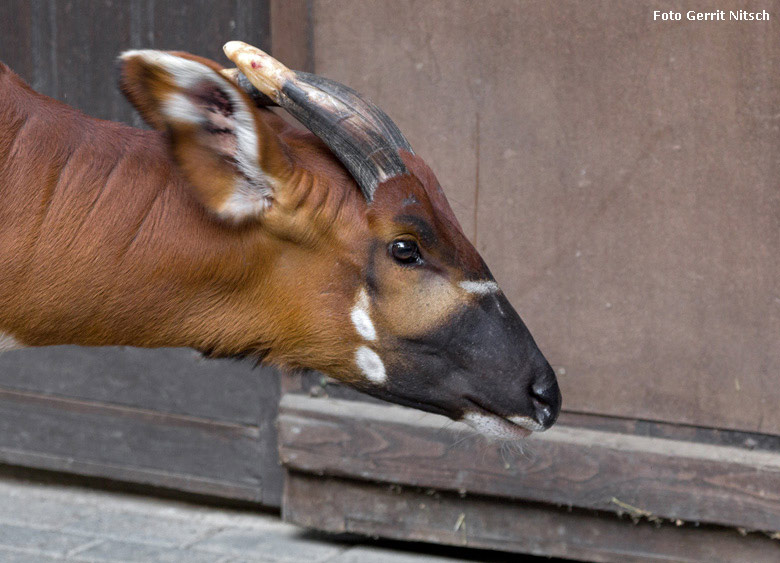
(231, 48)
(266, 73)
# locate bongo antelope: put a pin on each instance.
(228, 230)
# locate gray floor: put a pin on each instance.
(43, 522)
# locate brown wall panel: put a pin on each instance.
(619, 175)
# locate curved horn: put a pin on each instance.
(360, 134)
(236, 77)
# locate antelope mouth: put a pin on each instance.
(488, 423)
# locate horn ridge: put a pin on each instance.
(354, 98)
(370, 154)
(359, 133)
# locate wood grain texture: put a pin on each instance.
(174, 381)
(129, 390)
(592, 469)
(379, 510)
(317, 385)
(626, 176)
(121, 443)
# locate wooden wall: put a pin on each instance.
(619, 175)
(166, 417)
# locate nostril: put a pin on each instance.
(546, 399)
(543, 412)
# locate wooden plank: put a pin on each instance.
(592, 469)
(163, 382)
(379, 510)
(175, 381)
(186, 453)
(318, 385)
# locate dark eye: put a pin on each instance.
(405, 251)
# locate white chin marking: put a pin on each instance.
(371, 365)
(494, 426)
(479, 287)
(8, 342)
(361, 319)
(527, 422)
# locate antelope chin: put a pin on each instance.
(494, 426)
(527, 422)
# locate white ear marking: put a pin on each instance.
(185, 72)
(480, 287)
(178, 107)
(371, 365)
(360, 317)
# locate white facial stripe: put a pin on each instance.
(252, 193)
(479, 287)
(360, 317)
(8, 342)
(371, 365)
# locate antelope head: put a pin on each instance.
(354, 263)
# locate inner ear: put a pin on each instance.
(233, 160)
(215, 114)
(215, 141)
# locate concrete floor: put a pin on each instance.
(41, 522)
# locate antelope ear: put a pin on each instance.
(233, 159)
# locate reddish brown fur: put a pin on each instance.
(102, 241)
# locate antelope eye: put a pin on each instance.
(405, 251)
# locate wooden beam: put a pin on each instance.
(136, 445)
(377, 509)
(648, 477)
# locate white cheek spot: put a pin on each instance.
(479, 287)
(360, 317)
(371, 365)
(8, 342)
